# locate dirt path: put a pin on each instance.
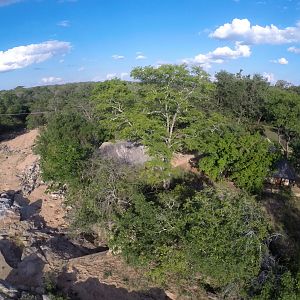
(16, 156)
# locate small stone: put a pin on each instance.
(8, 290)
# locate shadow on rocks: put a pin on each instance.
(93, 289)
(11, 252)
(29, 274)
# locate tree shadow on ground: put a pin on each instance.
(286, 219)
(43, 236)
(11, 132)
(29, 274)
(11, 252)
(93, 289)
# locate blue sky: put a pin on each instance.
(57, 41)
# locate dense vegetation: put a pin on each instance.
(205, 229)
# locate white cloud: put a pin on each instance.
(24, 56)
(64, 23)
(140, 57)
(111, 76)
(269, 76)
(8, 2)
(281, 61)
(294, 50)
(220, 55)
(61, 61)
(81, 69)
(124, 75)
(51, 80)
(160, 63)
(242, 30)
(118, 57)
(97, 78)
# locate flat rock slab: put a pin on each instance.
(5, 269)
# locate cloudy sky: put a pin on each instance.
(57, 41)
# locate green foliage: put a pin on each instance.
(280, 286)
(183, 233)
(284, 113)
(46, 99)
(65, 144)
(240, 156)
(155, 111)
(11, 104)
(296, 153)
(51, 289)
(290, 287)
(242, 96)
(106, 188)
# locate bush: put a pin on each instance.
(218, 235)
(67, 141)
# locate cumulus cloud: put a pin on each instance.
(140, 57)
(8, 2)
(281, 61)
(111, 76)
(242, 30)
(269, 76)
(51, 80)
(81, 69)
(124, 75)
(220, 55)
(294, 50)
(118, 57)
(24, 56)
(64, 23)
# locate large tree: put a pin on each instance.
(241, 95)
(284, 114)
(232, 152)
(155, 110)
(157, 107)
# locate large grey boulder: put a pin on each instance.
(125, 152)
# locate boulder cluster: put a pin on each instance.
(30, 250)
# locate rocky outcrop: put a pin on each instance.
(9, 211)
(30, 178)
(125, 152)
(29, 249)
